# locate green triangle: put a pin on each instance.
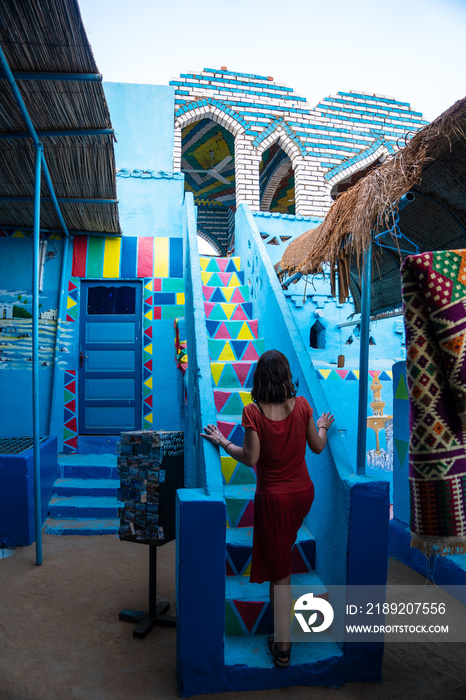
(234, 405)
(69, 396)
(401, 390)
(401, 450)
(67, 434)
(243, 475)
(232, 624)
(334, 375)
(228, 377)
(235, 507)
(217, 314)
(213, 266)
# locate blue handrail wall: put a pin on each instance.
(201, 511)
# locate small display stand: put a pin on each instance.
(151, 469)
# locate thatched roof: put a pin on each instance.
(433, 167)
(48, 36)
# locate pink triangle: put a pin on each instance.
(222, 263)
(373, 373)
(250, 353)
(253, 325)
(249, 611)
(220, 398)
(242, 371)
(208, 291)
(342, 372)
(239, 314)
(237, 297)
(208, 306)
(225, 277)
(225, 428)
(247, 518)
(223, 333)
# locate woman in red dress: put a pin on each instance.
(277, 427)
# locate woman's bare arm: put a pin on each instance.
(248, 454)
(317, 435)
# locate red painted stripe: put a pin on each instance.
(145, 257)
(79, 256)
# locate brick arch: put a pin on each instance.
(205, 109)
(271, 187)
(360, 162)
(282, 134)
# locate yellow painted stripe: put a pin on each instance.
(161, 257)
(112, 250)
(180, 298)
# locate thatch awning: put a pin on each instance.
(433, 167)
(49, 37)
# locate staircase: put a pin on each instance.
(84, 500)
(234, 347)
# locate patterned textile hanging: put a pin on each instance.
(434, 301)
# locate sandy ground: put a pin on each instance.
(60, 637)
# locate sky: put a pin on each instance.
(412, 50)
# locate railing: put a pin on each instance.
(203, 461)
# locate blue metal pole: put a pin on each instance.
(364, 361)
(35, 359)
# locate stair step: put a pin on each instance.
(232, 330)
(83, 507)
(230, 402)
(234, 350)
(89, 466)
(231, 295)
(219, 264)
(81, 526)
(239, 550)
(228, 312)
(86, 487)
(252, 651)
(233, 374)
(235, 278)
(239, 500)
(247, 605)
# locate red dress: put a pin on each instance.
(284, 491)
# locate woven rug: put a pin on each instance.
(434, 301)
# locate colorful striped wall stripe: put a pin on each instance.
(127, 257)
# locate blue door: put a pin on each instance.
(110, 357)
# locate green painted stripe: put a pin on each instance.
(95, 256)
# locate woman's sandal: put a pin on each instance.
(281, 658)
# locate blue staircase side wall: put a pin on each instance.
(17, 512)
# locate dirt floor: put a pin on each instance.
(60, 637)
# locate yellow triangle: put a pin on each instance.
(228, 292)
(148, 382)
(325, 372)
(234, 280)
(204, 262)
(227, 354)
(390, 373)
(70, 303)
(237, 262)
(148, 418)
(245, 397)
(18, 234)
(228, 309)
(245, 333)
(205, 277)
(149, 286)
(55, 237)
(247, 571)
(149, 315)
(356, 373)
(148, 348)
(228, 467)
(216, 368)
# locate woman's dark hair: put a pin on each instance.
(272, 381)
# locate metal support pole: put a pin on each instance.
(53, 430)
(35, 358)
(364, 361)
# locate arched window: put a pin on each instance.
(317, 336)
(277, 183)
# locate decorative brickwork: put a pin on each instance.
(341, 135)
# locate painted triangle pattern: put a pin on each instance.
(234, 347)
(70, 428)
